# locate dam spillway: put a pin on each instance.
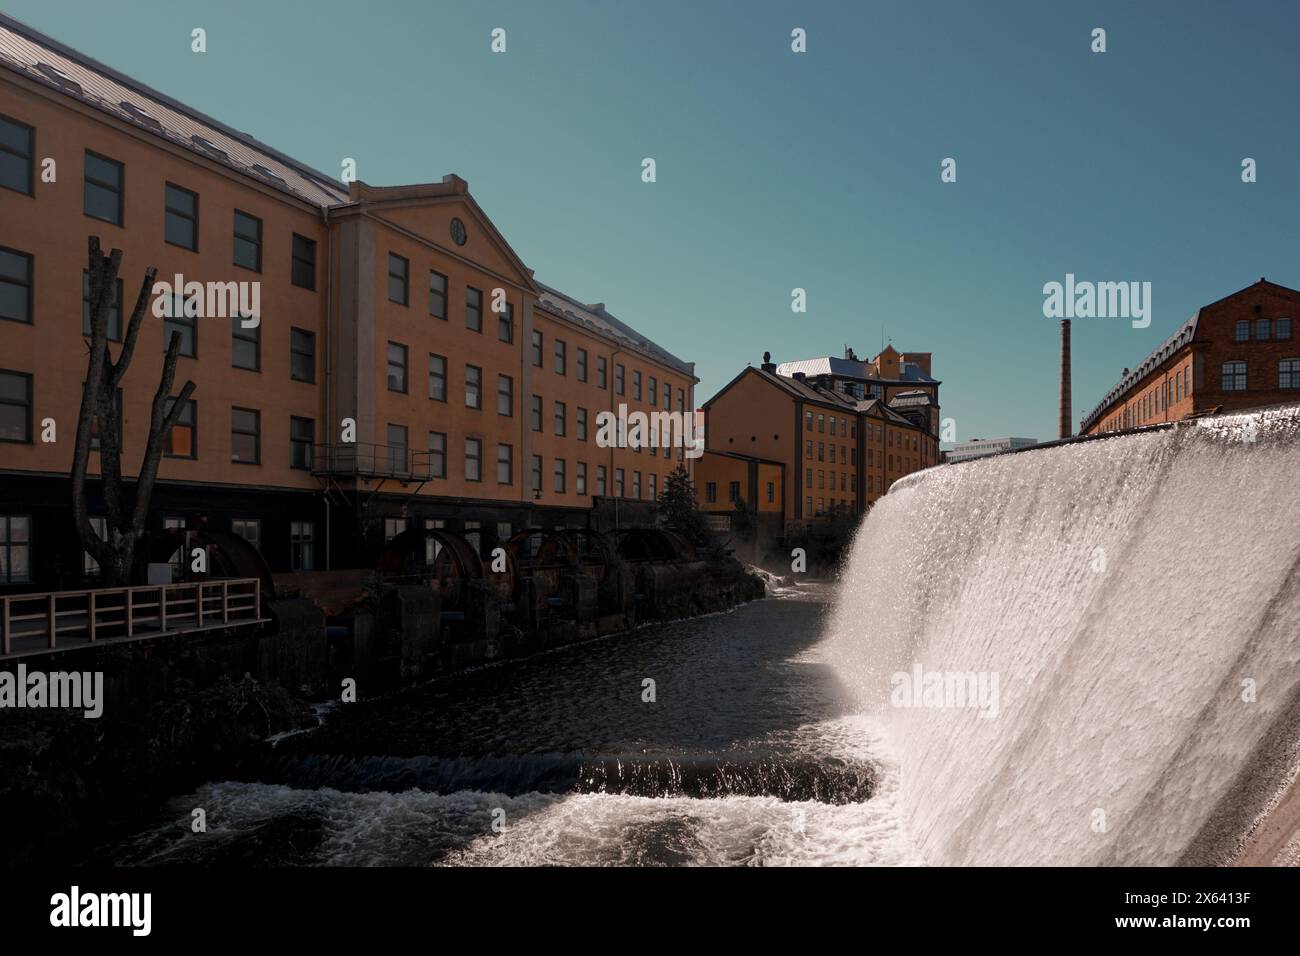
(1133, 604)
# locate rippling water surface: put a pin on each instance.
(750, 754)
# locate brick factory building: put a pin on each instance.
(377, 304)
(1236, 353)
(841, 430)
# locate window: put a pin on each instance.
(17, 145)
(580, 478)
(536, 413)
(248, 241)
(1243, 330)
(654, 486)
(560, 417)
(15, 549)
(618, 378)
(245, 436)
(114, 311)
(1288, 373)
(668, 395)
(733, 491)
(771, 492)
(1234, 376)
(600, 480)
(181, 316)
(636, 484)
(437, 378)
(250, 529)
(560, 358)
(399, 279)
(473, 309)
(181, 217)
(559, 476)
(302, 270)
(302, 435)
(302, 355)
(681, 400)
(505, 465)
(15, 406)
(473, 386)
(505, 395)
(1283, 329)
(537, 473)
(302, 545)
(506, 324)
(473, 459)
(821, 423)
(582, 423)
(246, 345)
(537, 349)
(398, 456)
(618, 482)
(182, 440)
(438, 454)
(1261, 330)
(103, 188)
(636, 384)
(15, 285)
(600, 372)
(654, 391)
(808, 420)
(582, 365)
(393, 526)
(396, 367)
(437, 295)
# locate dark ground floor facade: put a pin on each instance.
(293, 530)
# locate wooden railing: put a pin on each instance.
(60, 619)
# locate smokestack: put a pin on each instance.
(1067, 426)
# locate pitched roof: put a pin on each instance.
(809, 392)
(46, 61)
(1168, 347)
(597, 318)
(849, 368)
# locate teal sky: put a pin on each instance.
(778, 170)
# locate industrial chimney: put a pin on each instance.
(1067, 427)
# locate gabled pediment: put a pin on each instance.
(446, 215)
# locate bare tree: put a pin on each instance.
(101, 417)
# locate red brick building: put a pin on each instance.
(1239, 352)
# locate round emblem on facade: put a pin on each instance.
(458, 232)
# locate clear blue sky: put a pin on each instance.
(778, 170)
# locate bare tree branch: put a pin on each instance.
(133, 327)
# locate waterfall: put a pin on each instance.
(1107, 636)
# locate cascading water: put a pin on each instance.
(1130, 608)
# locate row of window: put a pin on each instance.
(1263, 329)
(399, 292)
(845, 453)
(104, 195)
(16, 271)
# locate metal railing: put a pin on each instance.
(370, 460)
(60, 619)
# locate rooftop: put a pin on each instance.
(50, 63)
(597, 317)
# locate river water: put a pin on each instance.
(749, 754)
